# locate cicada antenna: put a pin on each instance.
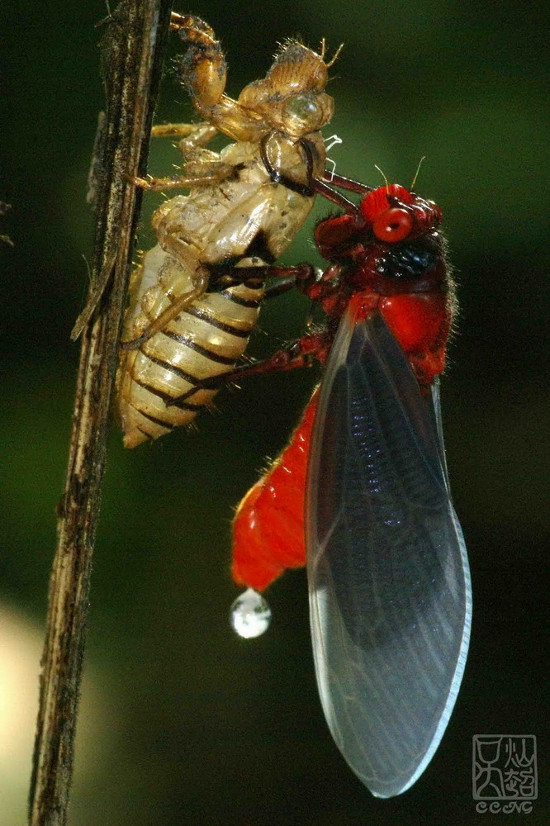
(420, 162)
(385, 179)
(331, 172)
(323, 51)
(330, 143)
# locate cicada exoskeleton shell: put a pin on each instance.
(244, 206)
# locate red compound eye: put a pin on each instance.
(393, 224)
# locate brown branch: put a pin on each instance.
(131, 48)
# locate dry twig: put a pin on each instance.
(131, 49)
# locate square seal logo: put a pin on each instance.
(504, 767)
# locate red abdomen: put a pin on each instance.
(268, 529)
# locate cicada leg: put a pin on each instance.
(279, 177)
(196, 134)
(193, 137)
(348, 183)
(313, 283)
(213, 172)
(290, 276)
(202, 167)
(203, 72)
(325, 187)
(200, 282)
(301, 353)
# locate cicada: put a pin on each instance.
(362, 491)
(195, 296)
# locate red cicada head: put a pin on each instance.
(389, 214)
(396, 214)
(388, 253)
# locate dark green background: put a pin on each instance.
(193, 726)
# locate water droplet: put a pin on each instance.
(250, 614)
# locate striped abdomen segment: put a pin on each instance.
(206, 340)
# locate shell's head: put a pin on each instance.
(292, 95)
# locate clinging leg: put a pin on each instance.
(202, 167)
(203, 73)
(301, 353)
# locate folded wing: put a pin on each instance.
(390, 595)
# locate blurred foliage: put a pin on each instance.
(202, 728)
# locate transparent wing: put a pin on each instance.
(390, 595)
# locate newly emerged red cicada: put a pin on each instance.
(192, 305)
(361, 492)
